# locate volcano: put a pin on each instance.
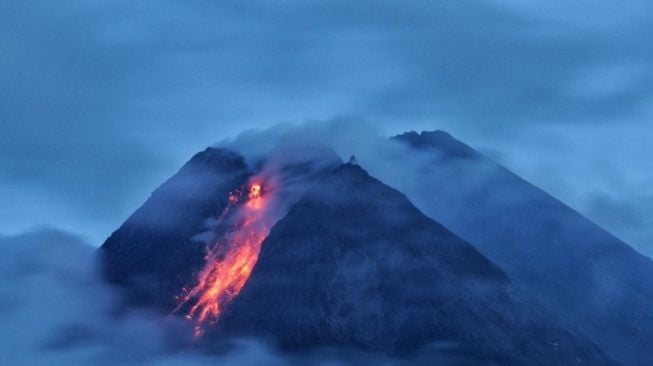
(344, 261)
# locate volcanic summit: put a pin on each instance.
(313, 252)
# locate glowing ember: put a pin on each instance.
(229, 262)
(255, 192)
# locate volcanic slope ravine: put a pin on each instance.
(240, 229)
(229, 261)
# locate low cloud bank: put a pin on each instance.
(56, 310)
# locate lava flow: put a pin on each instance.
(230, 260)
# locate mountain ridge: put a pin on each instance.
(573, 266)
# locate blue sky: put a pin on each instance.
(101, 101)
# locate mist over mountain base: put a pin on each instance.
(55, 309)
(420, 250)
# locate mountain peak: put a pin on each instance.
(347, 261)
(440, 141)
(351, 169)
(222, 159)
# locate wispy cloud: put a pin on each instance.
(102, 101)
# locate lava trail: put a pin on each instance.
(230, 260)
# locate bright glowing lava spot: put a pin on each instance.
(229, 261)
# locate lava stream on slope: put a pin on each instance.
(229, 260)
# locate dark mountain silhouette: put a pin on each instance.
(572, 266)
(353, 263)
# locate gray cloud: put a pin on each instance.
(55, 310)
(101, 101)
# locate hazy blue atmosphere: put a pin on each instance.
(101, 101)
(421, 247)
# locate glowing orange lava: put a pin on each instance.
(229, 262)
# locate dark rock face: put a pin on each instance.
(161, 247)
(155, 252)
(354, 263)
(570, 265)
